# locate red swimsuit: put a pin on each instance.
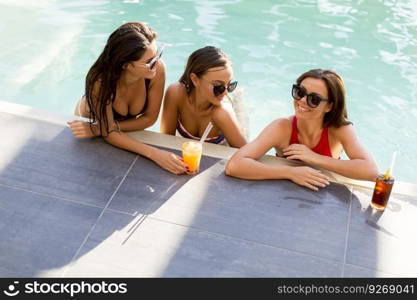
(322, 147)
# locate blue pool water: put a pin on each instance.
(48, 47)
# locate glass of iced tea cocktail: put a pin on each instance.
(382, 191)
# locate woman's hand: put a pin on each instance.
(170, 162)
(309, 177)
(81, 129)
(301, 152)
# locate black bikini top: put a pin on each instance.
(119, 117)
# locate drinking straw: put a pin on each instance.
(389, 171)
(206, 132)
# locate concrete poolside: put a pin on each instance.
(82, 208)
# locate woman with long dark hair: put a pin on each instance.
(123, 92)
(317, 134)
(200, 98)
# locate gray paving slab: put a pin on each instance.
(383, 241)
(119, 247)
(44, 157)
(276, 212)
(40, 234)
(54, 187)
(147, 183)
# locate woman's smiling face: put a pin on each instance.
(316, 86)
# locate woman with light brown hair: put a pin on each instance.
(317, 134)
(123, 92)
(200, 97)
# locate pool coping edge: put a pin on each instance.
(175, 142)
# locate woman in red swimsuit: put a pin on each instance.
(317, 134)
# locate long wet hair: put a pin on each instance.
(200, 61)
(126, 44)
(337, 116)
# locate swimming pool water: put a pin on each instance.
(48, 47)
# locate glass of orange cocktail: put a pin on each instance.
(191, 154)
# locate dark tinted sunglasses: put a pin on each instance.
(313, 100)
(219, 89)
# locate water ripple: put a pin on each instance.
(331, 8)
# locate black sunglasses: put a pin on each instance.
(313, 100)
(219, 89)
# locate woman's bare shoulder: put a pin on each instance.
(176, 92)
(282, 123)
(279, 131)
(222, 112)
(342, 132)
